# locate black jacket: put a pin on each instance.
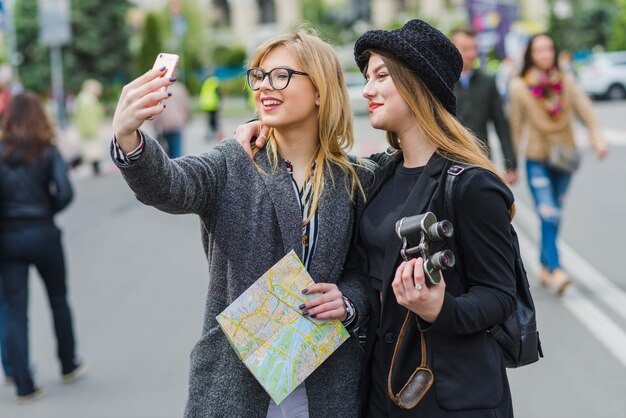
(470, 377)
(33, 191)
(480, 103)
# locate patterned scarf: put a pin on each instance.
(547, 88)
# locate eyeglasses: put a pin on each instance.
(279, 77)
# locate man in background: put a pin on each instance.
(478, 101)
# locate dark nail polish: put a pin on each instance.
(164, 106)
(305, 313)
(302, 306)
(313, 316)
(172, 79)
(169, 94)
(162, 68)
(304, 291)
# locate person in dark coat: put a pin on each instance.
(478, 101)
(410, 74)
(34, 187)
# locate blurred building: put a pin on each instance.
(252, 20)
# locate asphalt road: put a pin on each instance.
(138, 282)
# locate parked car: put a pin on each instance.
(603, 75)
(355, 83)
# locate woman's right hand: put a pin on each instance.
(140, 100)
(244, 134)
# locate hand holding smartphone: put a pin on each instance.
(169, 61)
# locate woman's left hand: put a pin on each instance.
(411, 291)
(601, 151)
(327, 305)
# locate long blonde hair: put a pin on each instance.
(451, 139)
(334, 115)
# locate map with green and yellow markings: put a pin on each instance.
(265, 326)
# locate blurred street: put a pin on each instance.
(138, 280)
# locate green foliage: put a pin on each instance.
(617, 41)
(313, 11)
(235, 87)
(224, 56)
(98, 48)
(191, 45)
(151, 44)
(590, 21)
(35, 64)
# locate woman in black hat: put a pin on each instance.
(410, 74)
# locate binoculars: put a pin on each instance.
(423, 230)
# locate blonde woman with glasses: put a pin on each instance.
(297, 194)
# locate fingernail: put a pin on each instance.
(164, 106)
(304, 291)
(313, 316)
(162, 68)
(169, 94)
(305, 313)
(172, 79)
(302, 306)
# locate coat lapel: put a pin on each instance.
(416, 203)
(280, 189)
(334, 228)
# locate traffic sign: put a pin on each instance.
(54, 22)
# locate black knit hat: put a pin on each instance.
(424, 50)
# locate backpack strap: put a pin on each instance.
(449, 213)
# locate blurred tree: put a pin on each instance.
(617, 41)
(34, 67)
(151, 43)
(590, 20)
(224, 56)
(99, 46)
(185, 35)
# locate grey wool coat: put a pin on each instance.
(250, 219)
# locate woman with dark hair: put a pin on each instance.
(543, 103)
(34, 187)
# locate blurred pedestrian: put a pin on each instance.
(170, 123)
(210, 102)
(34, 187)
(297, 194)
(5, 95)
(478, 101)
(88, 117)
(5, 87)
(544, 102)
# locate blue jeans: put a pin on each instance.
(38, 245)
(174, 143)
(4, 313)
(548, 187)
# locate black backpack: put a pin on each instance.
(517, 336)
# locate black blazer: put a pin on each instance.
(470, 377)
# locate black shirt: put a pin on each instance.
(378, 223)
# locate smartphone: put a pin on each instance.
(169, 61)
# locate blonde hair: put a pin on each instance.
(334, 119)
(451, 139)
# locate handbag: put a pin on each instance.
(420, 380)
(563, 158)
